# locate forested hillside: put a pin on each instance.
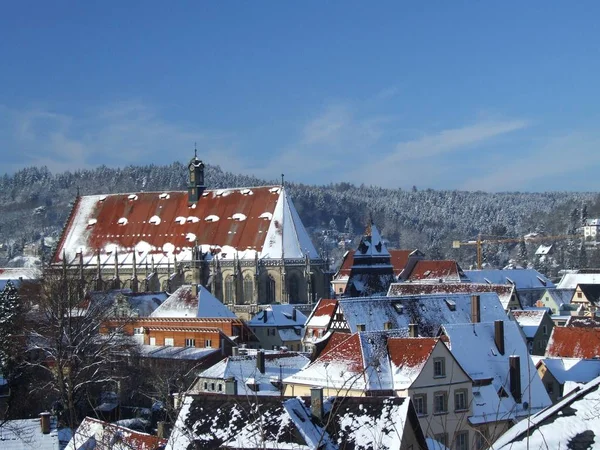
(34, 204)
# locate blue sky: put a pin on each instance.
(456, 95)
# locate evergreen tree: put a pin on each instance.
(584, 214)
(332, 224)
(522, 255)
(348, 227)
(583, 259)
(10, 348)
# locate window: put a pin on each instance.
(361, 327)
(439, 367)
(169, 341)
(387, 326)
(212, 386)
(220, 387)
(420, 402)
(579, 295)
(461, 440)
(270, 290)
(138, 331)
(248, 290)
(190, 342)
(205, 386)
(440, 403)
(152, 341)
(294, 291)
(460, 400)
(545, 330)
(481, 440)
(442, 438)
(208, 343)
(229, 290)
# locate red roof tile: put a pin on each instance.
(334, 340)
(410, 352)
(574, 342)
(399, 258)
(435, 270)
(348, 351)
(325, 307)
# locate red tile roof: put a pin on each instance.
(325, 307)
(410, 352)
(435, 270)
(334, 340)
(574, 342)
(349, 351)
(399, 258)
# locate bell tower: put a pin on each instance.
(196, 179)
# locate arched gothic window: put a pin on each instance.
(229, 290)
(294, 290)
(248, 290)
(270, 290)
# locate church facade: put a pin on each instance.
(248, 246)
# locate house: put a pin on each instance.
(17, 275)
(401, 260)
(559, 303)
(427, 271)
(530, 284)
(123, 302)
(247, 245)
(217, 421)
(250, 374)
(427, 312)
(506, 388)
(591, 229)
(558, 372)
(41, 433)
(587, 296)
(571, 279)
(368, 364)
(537, 326)
(190, 317)
(372, 271)
(583, 321)
(279, 326)
(572, 423)
(506, 293)
(543, 251)
(574, 342)
(97, 434)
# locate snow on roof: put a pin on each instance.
(474, 348)
(561, 296)
(170, 352)
(371, 244)
(521, 278)
(572, 423)
(27, 434)
(430, 270)
(16, 273)
(571, 280)
(505, 292)
(278, 316)
(574, 342)
(398, 258)
(145, 303)
(243, 368)
(96, 434)
(151, 224)
(429, 312)
(182, 303)
(543, 250)
(408, 356)
(322, 313)
(572, 369)
(529, 320)
(583, 322)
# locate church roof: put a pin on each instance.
(399, 259)
(163, 227)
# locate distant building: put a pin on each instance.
(587, 297)
(537, 327)
(574, 342)
(279, 326)
(248, 246)
(556, 373)
(428, 271)
(591, 229)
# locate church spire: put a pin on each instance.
(196, 184)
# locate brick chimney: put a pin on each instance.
(475, 309)
(45, 422)
(260, 361)
(514, 366)
(316, 402)
(499, 335)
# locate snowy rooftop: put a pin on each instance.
(572, 423)
(322, 313)
(144, 303)
(278, 316)
(170, 352)
(182, 303)
(571, 280)
(474, 348)
(267, 422)
(529, 320)
(522, 278)
(505, 292)
(244, 368)
(398, 258)
(561, 296)
(574, 342)
(16, 274)
(371, 244)
(95, 434)
(428, 311)
(572, 369)
(429, 270)
(27, 434)
(543, 250)
(162, 227)
(368, 361)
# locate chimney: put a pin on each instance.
(260, 361)
(514, 365)
(231, 386)
(413, 330)
(499, 335)
(475, 309)
(265, 316)
(235, 351)
(45, 422)
(294, 314)
(316, 402)
(194, 289)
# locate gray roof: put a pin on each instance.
(521, 278)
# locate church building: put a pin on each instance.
(247, 246)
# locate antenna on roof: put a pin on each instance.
(282, 180)
(195, 150)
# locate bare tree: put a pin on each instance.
(64, 344)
